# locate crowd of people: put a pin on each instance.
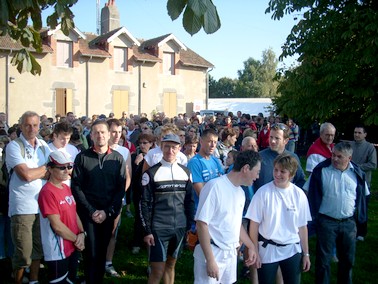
(233, 183)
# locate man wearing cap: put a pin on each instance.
(166, 210)
(98, 185)
(26, 159)
(62, 232)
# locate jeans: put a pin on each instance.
(6, 245)
(331, 233)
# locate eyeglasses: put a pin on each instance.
(281, 126)
(62, 168)
(143, 143)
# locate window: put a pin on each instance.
(169, 63)
(64, 54)
(120, 59)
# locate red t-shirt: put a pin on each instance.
(59, 201)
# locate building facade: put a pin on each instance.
(112, 72)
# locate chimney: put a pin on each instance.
(109, 17)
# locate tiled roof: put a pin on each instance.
(187, 57)
(7, 43)
(140, 54)
(87, 49)
(153, 42)
(190, 58)
(94, 46)
(103, 38)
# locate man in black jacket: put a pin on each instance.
(167, 209)
(98, 185)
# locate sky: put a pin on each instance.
(246, 31)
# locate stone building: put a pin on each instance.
(113, 72)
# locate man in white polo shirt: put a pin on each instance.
(26, 158)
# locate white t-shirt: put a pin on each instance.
(313, 160)
(221, 208)
(280, 212)
(23, 195)
(155, 155)
(122, 150)
(69, 149)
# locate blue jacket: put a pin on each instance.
(315, 193)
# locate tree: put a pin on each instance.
(15, 15)
(337, 43)
(256, 80)
(223, 88)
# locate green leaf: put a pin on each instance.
(67, 24)
(37, 41)
(21, 4)
(192, 24)
(175, 8)
(35, 67)
(26, 37)
(22, 19)
(37, 19)
(211, 21)
(4, 14)
(52, 20)
(199, 7)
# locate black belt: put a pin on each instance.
(270, 242)
(335, 219)
(212, 242)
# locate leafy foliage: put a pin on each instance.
(337, 43)
(14, 17)
(198, 14)
(223, 88)
(256, 80)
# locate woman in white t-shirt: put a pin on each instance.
(279, 213)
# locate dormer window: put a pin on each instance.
(120, 59)
(169, 63)
(64, 53)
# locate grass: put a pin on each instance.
(133, 267)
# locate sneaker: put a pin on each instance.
(129, 214)
(135, 250)
(360, 238)
(111, 271)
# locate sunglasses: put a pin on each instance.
(62, 168)
(281, 126)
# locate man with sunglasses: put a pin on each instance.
(278, 138)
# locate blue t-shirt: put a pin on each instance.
(204, 170)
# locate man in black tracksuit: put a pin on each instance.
(167, 209)
(98, 185)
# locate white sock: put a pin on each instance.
(108, 263)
